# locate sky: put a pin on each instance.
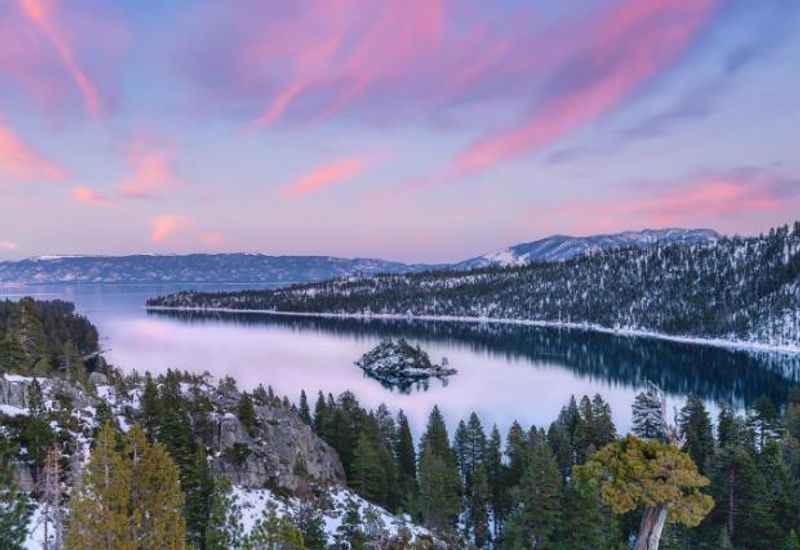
(413, 130)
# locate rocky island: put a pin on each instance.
(401, 364)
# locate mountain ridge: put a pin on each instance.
(258, 268)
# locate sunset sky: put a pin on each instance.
(416, 130)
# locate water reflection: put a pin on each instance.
(716, 374)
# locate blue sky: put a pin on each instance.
(418, 130)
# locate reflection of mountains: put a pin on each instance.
(714, 373)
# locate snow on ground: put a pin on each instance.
(11, 410)
(254, 502)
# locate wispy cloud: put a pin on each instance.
(629, 45)
(20, 161)
(7, 246)
(166, 226)
(88, 195)
(42, 13)
(326, 175)
(154, 172)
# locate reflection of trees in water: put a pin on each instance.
(713, 373)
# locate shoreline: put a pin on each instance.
(637, 333)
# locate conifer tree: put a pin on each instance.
(496, 480)
(311, 524)
(14, 513)
(199, 487)
(604, 429)
(584, 524)
(368, 477)
(274, 532)
(156, 496)
(536, 515)
(477, 513)
(517, 453)
(151, 407)
(657, 477)
(406, 462)
(246, 413)
(649, 414)
(438, 476)
(351, 529)
(100, 508)
(320, 414)
(694, 425)
(224, 529)
(304, 411)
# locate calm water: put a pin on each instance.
(505, 373)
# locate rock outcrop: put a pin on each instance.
(400, 364)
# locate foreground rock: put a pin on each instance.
(399, 364)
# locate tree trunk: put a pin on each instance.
(651, 528)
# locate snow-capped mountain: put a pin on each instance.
(562, 247)
(241, 268)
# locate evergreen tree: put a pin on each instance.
(100, 508)
(368, 478)
(320, 414)
(651, 475)
(351, 530)
(199, 487)
(477, 513)
(14, 513)
(585, 525)
(605, 430)
(764, 420)
(311, 524)
(694, 425)
(536, 513)
(304, 411)
(406, 462)
(246, 413)
(649, 420)
(438, 476)
(156, 498)
(151, 407)
(224, 529)
(496, 480)
(274, 532)
(517, 453)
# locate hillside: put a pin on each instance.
(744, 289)
(559, 248)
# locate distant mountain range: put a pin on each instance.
(744, 290)
(259, 268)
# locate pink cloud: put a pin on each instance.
(166, 226)
(625, 57)
(695, 202)
(153, 171)
(42, 13)
(90, 196)
(325, 175)
(20, 161)
(7, 246)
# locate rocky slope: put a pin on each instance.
(265, 456)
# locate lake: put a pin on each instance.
(505, 372)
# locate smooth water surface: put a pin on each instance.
(505, 372)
